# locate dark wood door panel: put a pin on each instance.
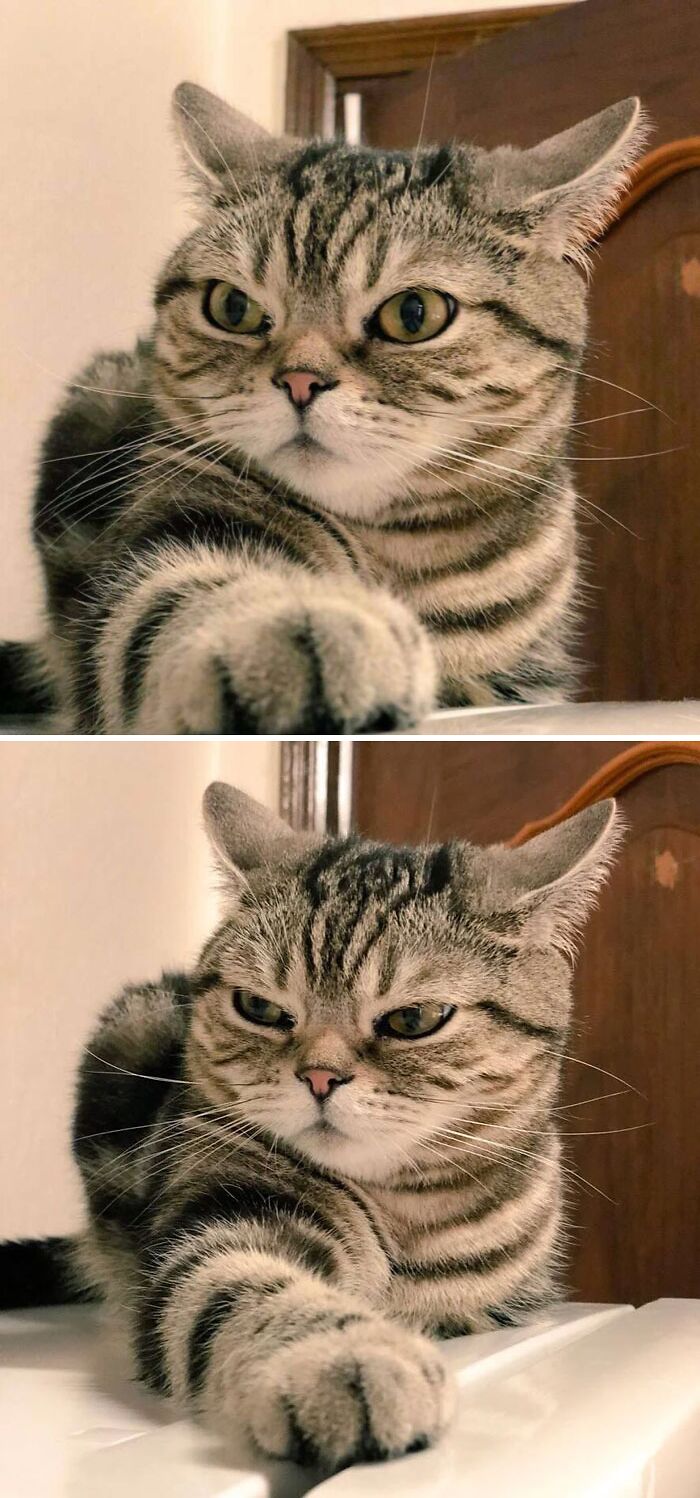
(407, 792)
(638, 1018)
(636, 1033)
(640, 515)
(544, 76)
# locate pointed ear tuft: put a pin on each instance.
(574, 179)
(554, 879)
(245, 835)
(222, 148)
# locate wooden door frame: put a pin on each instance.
(315, 791)
(316, 782)
(321, 59)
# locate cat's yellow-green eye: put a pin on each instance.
(233, 310)
(261, 1011)
(413, 1021)
(413, 316)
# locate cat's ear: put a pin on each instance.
(222, 148)
(573, 180)
(246, 835)
(551, 882)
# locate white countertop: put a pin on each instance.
(594, 1402)
(578, 720)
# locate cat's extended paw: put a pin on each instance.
(335, 657)
(366, 1392)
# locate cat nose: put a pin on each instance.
(302, 385)
(320, 1081)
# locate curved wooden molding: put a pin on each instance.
(653, 170)
(610, 779)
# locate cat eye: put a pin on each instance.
(413, 316)
(231, 309)
(413, 1021)
(261, 1011)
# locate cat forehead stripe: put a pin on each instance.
(353, 891)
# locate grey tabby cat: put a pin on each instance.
(335, 1142)
(331, 490)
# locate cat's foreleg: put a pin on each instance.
(204, 641)
(236, 1327)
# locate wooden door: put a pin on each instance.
(641, 516)
(636, 1032)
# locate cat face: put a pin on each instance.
(424, 296)
(361, 1003)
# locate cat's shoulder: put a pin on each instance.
(110, 392)
(93, 440)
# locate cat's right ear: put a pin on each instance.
(551, 882)
(223, 149)
(246, 836)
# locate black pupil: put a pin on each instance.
(256, 1008)
(412, 312)
(412, 1019)
(235, 305)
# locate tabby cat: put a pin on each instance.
(331, 489)
(335, 1142)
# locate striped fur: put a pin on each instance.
(286, 1262)
(216, 561)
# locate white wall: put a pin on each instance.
(104, 877)
(91, 199)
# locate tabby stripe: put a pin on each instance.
(206, 982)
(474, 1264)
(137, 652)
(516, 323)
(338, 253)
(192, 371)
(447, 517)
(148, 1341)
(215, 528)
(171, 288)
(494, 550)
(213, 1317)
(367, 1211)
(521, 684)
(231, 1203)
(325, 522)
(508, 1020)
(491, 616)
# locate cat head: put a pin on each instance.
(351, 320)
(358, 998)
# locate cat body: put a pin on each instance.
(331, 489)
(335, 1142)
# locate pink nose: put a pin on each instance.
(320, 1081)
(303, 385)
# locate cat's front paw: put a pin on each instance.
(331, 657)
(366, 1392)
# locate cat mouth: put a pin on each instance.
(325, 1127)
(303, 442)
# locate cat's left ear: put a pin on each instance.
(573, 180)
(223, 149)
(552, 881)
(246, 836)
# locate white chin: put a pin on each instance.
(333, 482)
(363, 1160)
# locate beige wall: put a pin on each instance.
(104, 877)
(91, 199)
